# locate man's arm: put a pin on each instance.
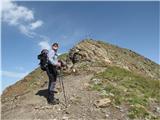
(52, 56)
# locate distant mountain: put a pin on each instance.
(102, 81)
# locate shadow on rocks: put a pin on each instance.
(43, 93)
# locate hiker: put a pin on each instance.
(53, 64)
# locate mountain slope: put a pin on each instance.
(103, 54)
(101, 72)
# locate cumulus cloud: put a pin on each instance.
(44, 45)
(26, 31)
(20, 16)
(36, 24)
(24, 19)
(13, 74)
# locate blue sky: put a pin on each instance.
(35, 25)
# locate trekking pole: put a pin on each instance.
(62, 85)
(59, 75)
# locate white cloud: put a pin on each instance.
(13, 74)
(36, 24)
(13, 14)
(20, 16)
(44, 45)
(24, 19)
(25, 30)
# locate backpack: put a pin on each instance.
(43, 59)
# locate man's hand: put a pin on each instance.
(58, 64)
(62, 64)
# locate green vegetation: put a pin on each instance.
(123, 86)
(139, 111)
(63, 56)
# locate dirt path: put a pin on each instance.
(34, 105)
(80, 100)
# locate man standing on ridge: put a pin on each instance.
(52, 73)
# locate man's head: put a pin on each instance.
(55, 46)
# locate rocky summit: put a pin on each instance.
(102, 81)
(103, 54)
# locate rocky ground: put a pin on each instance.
(81, 103)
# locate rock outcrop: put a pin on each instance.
(90, 53)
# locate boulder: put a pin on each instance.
(102, 103)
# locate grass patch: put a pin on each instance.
(128, 87)
(63, 56)
(139, 112)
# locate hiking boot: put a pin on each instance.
(53, 102)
